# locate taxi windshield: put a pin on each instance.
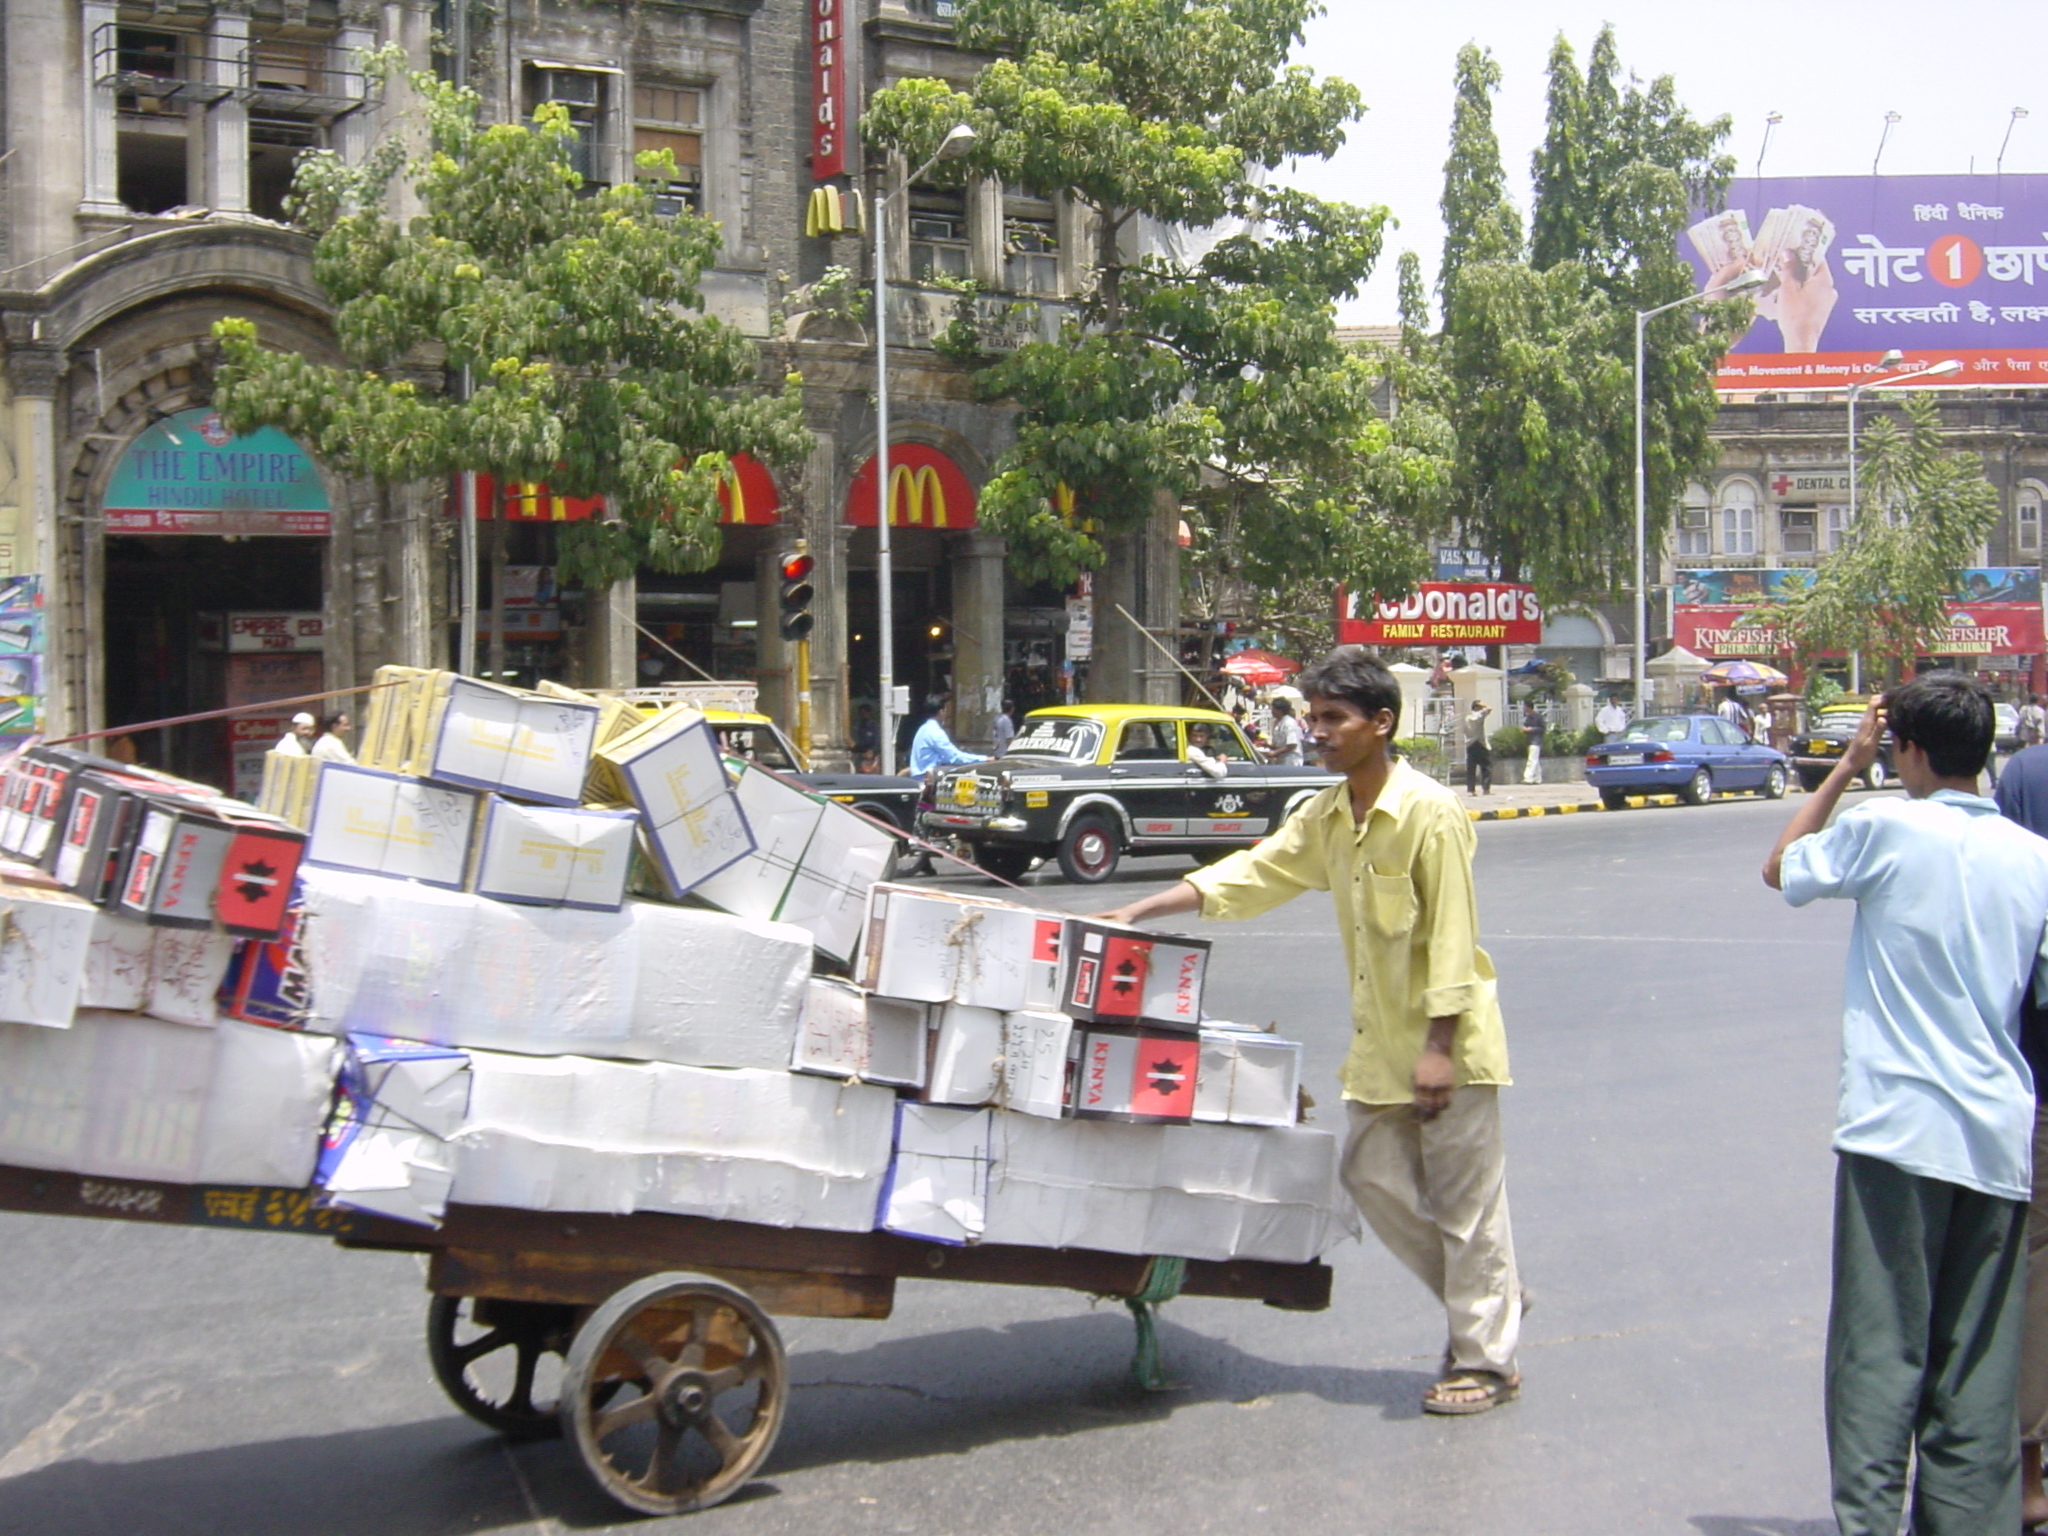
(757, 744)
(1072, 741)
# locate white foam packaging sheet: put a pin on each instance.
(813, 862)
(1193, 1191)
(775, 1148)
(650, 982)
(387, 1149)
(850, 1033)
(938, 1182)
(45, 939)
(123, 1096)
(938, 947)
(1248, 1077)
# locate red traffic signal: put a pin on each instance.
(797, 593)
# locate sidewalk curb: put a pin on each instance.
(1524, 812)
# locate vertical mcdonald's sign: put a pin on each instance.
(926, 490)
(828, 88)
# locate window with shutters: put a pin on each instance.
(671, 117)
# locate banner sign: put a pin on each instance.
(1996, 611)
(828, 88)
(926, 490)
(1464, 565)
(189, 474)
(239, 632)
(1937, 266)
(1448, 613)
(746, 495)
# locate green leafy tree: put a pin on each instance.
(1538, 342)
(1923, 512)
(1217, 379)
(575, 312)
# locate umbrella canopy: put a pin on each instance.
(1744, 674)
(1260, 668)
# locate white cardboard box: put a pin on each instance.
(174, 974)
(525, 744)
(966, 1055)
(651, 981)
(1193, 1191)
(671, 770)
(1248, 1077)
(939, 1178)
(1038, 1063)
(550, 856)
(813, 862)
(776, 1148)
(941, 947)
(45, 941)
(378, 823)
(121, 1096)
(850, 1033)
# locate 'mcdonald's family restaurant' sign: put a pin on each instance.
(1445, 613)
(1995, 611)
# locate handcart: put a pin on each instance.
(673, 1382)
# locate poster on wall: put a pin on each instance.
(1720, 614)
(1939, 267)
(21, 660)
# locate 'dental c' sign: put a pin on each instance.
(189, 474)
(1939, 267)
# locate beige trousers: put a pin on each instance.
(1436, 1194)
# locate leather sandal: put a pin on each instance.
(1494, 1389)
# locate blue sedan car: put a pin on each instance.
(1696, 755)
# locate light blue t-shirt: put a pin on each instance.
(1951, 906)
(932, 748)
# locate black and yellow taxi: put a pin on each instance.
(1817, 748)
(1086, 784)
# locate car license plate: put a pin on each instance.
(1623, 759)
(1822, 748)
(964, 790)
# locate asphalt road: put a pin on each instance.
(1673, 1031)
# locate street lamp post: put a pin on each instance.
(1752, 278)
(1892, 359)
(958, 140)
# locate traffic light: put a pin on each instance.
(797, 619)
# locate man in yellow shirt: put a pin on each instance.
(1428, 1056)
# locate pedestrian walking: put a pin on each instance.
(1734, 712)
(1478, 750)
(1532, 727)
(1935, 1121)
(1423, 1156)
(298, 741)
(1286, 735)
(2023, 798)
(1004, 731)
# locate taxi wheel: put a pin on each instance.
(1004, 863)
(1874, 776)
(1089, 853)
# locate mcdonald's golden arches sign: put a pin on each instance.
(747, 495)
(926, 490)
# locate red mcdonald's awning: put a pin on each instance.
(926, 490)
(747, 496)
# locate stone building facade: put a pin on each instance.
(147, 150)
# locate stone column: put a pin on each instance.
(222, 129)
(71, 638)
(357, 34)
(101, 196)
(977, 561)
(611, 641)
(1163, 681)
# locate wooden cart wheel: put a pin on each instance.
(674, 1393)
(467, 1342)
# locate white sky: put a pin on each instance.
(1954, 72)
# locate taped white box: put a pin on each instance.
(371, 822)
(548, 856)
(671, 770)
(125, 1097)
(849, 1033)
(174, 974)
(775, 1148)
(1247, 1077)
(966, 1055)
(939, 947)
(651, 982)
(387, 1148)
(939, 1178)
(1039, 1062)
(526, 744)
(813, 863)
(45, 943)
(1192, 1191)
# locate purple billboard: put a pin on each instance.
(1938, 267)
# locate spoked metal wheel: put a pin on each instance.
(491, 1356)
(674, 1393)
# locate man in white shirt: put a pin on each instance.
(1612, 719)
(298, 741)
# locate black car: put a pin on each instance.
(889, 797)
(1085, 784)
(1817, 749)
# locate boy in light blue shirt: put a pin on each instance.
(1935, 1123)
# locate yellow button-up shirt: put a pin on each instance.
(1402, 885)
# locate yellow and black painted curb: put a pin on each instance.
(1524, 812)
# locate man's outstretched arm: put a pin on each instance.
(1182, 897)
(1815, 809)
